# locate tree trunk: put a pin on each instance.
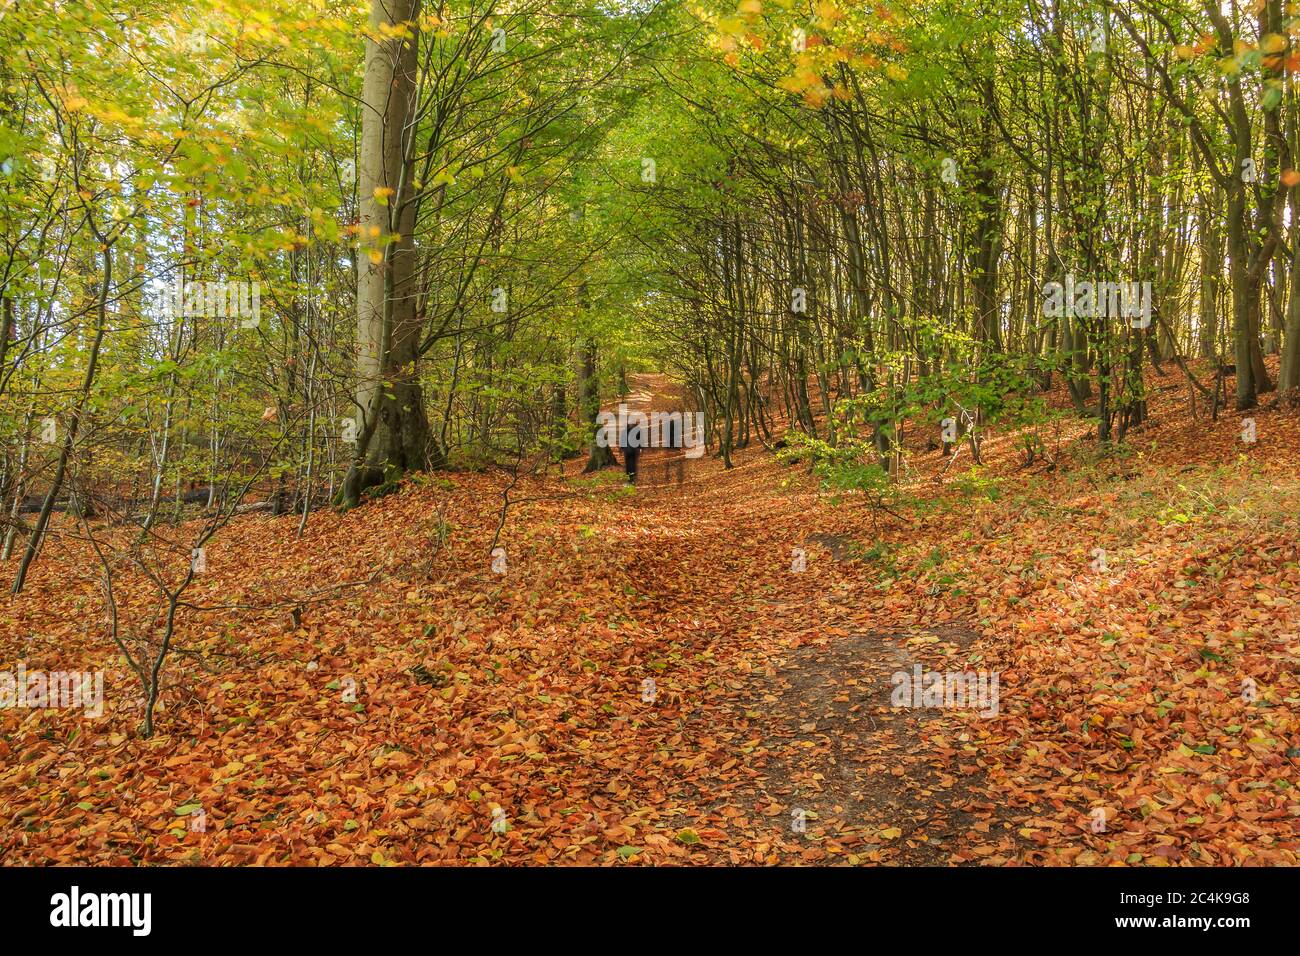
(74, 425)
(600, 456)
(1288, 383)
(393, 431)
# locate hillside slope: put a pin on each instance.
(651, 680)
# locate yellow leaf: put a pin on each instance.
(816, 97)
(731, 25)
(828, 11)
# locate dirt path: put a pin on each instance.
(660, 469)
(806, 758)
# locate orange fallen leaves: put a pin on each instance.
(520, 698)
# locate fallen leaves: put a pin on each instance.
(389, 726)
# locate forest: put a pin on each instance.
(649, 432)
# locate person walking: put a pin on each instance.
(631, 442)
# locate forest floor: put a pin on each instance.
(375, 693)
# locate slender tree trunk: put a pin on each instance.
(599, 456)
(74, 425)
